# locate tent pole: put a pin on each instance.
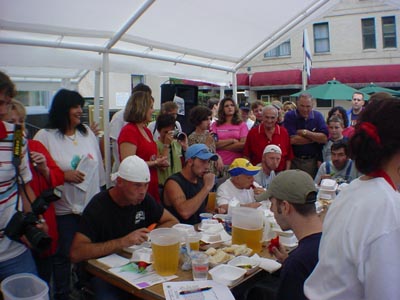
(106, 119)
(221, 92)
(141, 10)
(96, 113)
(234, 87)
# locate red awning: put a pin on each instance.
(242, 79)
(348, 75)
(288, 77)
(361, 74)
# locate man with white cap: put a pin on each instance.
(270, 161)
(293, 195)
(119, 217)
(239, 187)
(186, 192)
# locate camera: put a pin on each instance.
(25, 224)
(178, 135)
(41, 204)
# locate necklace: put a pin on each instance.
(73, 139)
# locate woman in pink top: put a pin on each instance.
(230, 130)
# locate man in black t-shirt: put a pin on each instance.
(119, 217)
(293, 195)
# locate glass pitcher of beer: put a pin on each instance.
(247, 227)
(165, 243)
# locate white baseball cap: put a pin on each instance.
(272, 149)
(133, 169)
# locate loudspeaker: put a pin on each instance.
(190, 95)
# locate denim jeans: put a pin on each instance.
(67, 226)
(23, 263)
(105, 291)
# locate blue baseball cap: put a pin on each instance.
(200, 151)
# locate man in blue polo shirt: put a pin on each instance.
(308, 132)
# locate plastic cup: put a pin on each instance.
(165, 243)
(193, 241)
(199, 265)
(205, 216)
(24, 286)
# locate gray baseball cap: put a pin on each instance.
(294, 186)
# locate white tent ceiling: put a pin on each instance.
(201, 40)
(205, 40)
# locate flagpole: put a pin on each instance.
(307, 61)
(304, 76)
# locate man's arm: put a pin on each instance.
(167, 219)
(174, 196)
(318, 137)
(83, 248)
(299, 140)
(288, 164)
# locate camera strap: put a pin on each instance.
(17, 157)
(17, 147)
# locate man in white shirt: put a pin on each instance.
(240, 187)
(244, 112)
(116, 124)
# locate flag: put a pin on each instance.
(307, 54)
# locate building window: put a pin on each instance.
(368, 33)
(321, 38)
(389, 32)
(282, 50)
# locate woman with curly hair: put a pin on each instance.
(230, 130)
(201, 118)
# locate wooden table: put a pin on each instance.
(154, 292)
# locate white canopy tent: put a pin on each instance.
(57, 41)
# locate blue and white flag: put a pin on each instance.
(307, 54)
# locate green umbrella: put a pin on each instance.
(373, 88)
(332, 90)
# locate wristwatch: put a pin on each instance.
(304, 132)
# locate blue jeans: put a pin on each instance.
(67, 226)
(23, 263)
(105, 291)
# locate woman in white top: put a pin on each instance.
(358, 254)
(72, 145)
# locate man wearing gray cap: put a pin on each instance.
(186, 192)
(293, 195)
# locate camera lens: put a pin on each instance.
(38, 239)
(181, 137)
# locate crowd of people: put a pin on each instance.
(163, 176)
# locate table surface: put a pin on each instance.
(154, 292)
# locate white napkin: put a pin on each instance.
(267, 264)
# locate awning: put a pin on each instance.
(388, 75)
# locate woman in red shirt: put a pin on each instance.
(136, 139)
